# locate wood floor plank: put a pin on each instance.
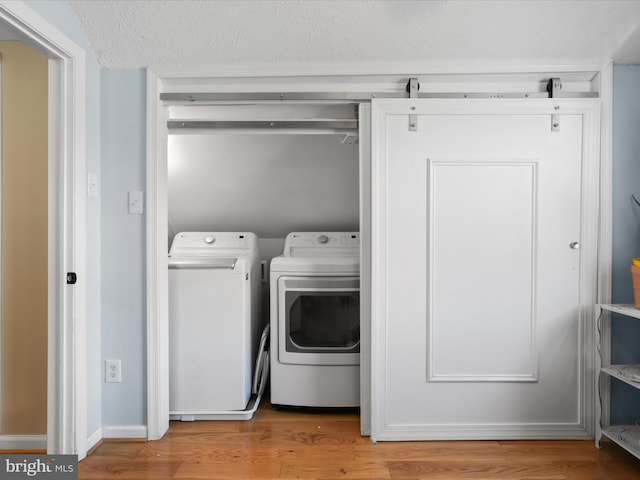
(455, 451)
(246, 453)
(181, 428)
(227, 470)
(446, 470)
(328, 469)
(129, 469)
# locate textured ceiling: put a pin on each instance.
(167, 33)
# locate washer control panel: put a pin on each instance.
(213, 242)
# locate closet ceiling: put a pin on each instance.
(168, 33)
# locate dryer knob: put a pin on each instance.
(209, 239)
(322, 239)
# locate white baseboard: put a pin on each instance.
(23, 442)
(94, 439)
(124, 431)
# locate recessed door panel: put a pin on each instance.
(482, 250)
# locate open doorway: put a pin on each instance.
(65, 237)
(273, 170)
(24, 200)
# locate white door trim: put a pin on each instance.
(67, 409)
(381, 428)
(1, 191)
(605, 260)
(365, 268)
(157, 275)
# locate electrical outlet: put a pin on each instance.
(112, 371)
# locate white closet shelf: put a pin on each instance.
(627, 436)
(623, 308)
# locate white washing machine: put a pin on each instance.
(315, 321)
(214, 288)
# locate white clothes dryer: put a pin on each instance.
(214, 288)
(315, 321)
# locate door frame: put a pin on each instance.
(66, 384)
(157, 263)
(388, 78)
(589, 109)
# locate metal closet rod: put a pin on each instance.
(337, 126)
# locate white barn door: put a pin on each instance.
(480, 247)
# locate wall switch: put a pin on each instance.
(135, 202)
(112, 371)
(92, 185)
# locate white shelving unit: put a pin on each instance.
(627, 436)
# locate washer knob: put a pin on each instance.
(209, 239)
(322, 239)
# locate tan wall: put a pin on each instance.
(23, 401)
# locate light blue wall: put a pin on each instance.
(123, 111)
(626, 231)
(61, 15)
(116, 129)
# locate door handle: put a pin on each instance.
(574, 245)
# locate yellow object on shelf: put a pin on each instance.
(636, 262)
(635, 276)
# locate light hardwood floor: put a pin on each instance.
(303, 445)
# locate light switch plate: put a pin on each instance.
(136, 202)
(92, 185)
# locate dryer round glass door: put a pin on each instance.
(319, 320)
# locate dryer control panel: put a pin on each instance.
(322, 243)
